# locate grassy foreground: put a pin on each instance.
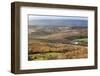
(39, 50)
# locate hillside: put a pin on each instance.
(57, 42)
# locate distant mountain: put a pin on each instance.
(49, 29)
(55, 32)
(40, 30)
(55, 22)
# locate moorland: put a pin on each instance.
(57, 42)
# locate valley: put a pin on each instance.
(57, 42)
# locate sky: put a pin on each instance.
(41, 20)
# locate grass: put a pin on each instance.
(44, 56)
(75, 54)
(77, 37)
(82, 40)
(46, 49)
(49, 51)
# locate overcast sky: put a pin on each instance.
(39, 20)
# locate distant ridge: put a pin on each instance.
(59, 22)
